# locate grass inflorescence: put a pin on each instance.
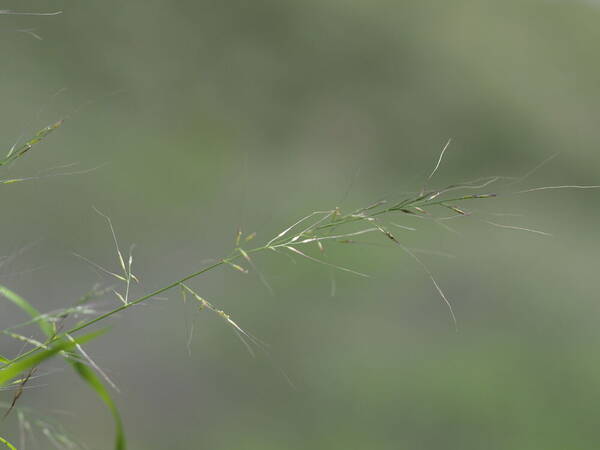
(60, 331)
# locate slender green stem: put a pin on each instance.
(159, 291)
(144, 298)
(137, 301)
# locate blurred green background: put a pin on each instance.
(206, 116)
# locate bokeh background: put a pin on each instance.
(204, 116)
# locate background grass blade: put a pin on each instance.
(16, 153)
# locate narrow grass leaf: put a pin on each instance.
(34, 359)
(96, 384)
(8, 444)
(82, 370)
(19, 301)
